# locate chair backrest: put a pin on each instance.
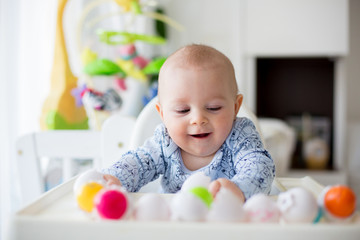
(60, 144)
(103, 147)
(149, 118)
(115, 138)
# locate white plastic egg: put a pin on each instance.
(260, 208)
(185, 206)
(91, 175)
(198, 179)
(226, 207)
(297, 205)
(152, 207)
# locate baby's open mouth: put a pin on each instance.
(201, 135)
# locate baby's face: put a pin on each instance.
(198, 107)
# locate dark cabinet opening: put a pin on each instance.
(298, 91)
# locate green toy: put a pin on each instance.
(103, 67)
(115, 38)
(154, 66)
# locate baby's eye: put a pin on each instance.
(182, 110)
(214, 108)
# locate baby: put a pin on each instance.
(198, 104)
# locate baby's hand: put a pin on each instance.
(111, 180)
(216, 185)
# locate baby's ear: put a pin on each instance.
(159, 110)
(238, 102)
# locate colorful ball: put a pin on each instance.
(111, 204)
(87, 193)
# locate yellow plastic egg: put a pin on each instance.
(85, 198)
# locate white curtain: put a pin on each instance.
(27, 33)
(27, 37)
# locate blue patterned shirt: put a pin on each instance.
(242, 159)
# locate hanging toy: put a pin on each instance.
(94, 99)
(115, 38)
(88, 56)
(103, 67)
(109, 101)
(140, 62)
(112, 100)
(154, 66)
(120, 83)
(131, 70)
(127, 52)
(78, 93)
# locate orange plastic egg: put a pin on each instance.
(340, 201)
(85, 199)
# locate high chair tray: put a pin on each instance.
(55, 215)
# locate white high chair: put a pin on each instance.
(60, 144)
(68, 145)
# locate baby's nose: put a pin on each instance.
(198, 118)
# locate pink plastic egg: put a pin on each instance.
(260, 208)
(111, 204)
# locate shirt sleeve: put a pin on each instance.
(138, 167)
(254, 167)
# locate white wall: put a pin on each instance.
(220, 24)
(353, 63)
(353, 98)
(297, 27)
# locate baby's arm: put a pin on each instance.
(254, 168)
(137, 167)
(216, 185)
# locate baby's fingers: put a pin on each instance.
(111, 180)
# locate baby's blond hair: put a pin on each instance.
(201, 57)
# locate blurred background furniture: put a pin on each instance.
(67, 145)
(119, 134)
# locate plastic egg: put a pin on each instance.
(297, 205)
(198, 179)
(111, 203)
(91, 175)
(86, 195)
(260, 208)
(338, 202)
(192, 205)
(226, 207)
(152, 207)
